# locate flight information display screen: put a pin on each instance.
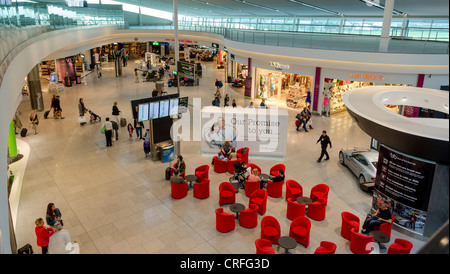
(163, 108)
(143, 112)
(153, 110)
(173, 107)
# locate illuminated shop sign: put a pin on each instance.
(278, 66)
(366, 76)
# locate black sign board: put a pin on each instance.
(214, 45)
(404, 178)
(186, 70)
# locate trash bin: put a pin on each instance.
(168, 153)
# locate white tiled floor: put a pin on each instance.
(113, 200)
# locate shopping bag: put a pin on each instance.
(103, 130)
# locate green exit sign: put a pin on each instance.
(156, 43)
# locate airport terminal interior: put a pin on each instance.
(117, 200)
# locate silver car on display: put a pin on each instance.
(363, 163)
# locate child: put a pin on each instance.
(130, 131)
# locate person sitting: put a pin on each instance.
(383, 215)
(232, 155)
(272, 178)
(226, 148)
(254, 177)
(155, 92)
(180, 166)
(221, 157)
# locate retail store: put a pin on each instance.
(283, 88)
(336, 83)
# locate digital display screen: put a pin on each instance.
(183, 105)
(153, 111)
(163, 108)
(173, 109)
(143, 112)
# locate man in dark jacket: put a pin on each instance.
(324, 141)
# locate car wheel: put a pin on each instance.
(341, 158)
(362, 180)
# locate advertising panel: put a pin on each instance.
(406, 182)
(263, 131)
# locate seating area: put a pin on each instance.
(250, 209)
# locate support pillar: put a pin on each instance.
(387, 18)
(177, 57)
(34, 86)
(12, 141)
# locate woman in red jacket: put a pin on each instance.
(43, 234)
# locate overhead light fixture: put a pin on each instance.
(316, 8)
(377, 4)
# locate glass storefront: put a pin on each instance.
(334, 90)
(285, 88)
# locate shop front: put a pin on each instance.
(335, 83)
(283, 88)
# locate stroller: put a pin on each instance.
(94, 117)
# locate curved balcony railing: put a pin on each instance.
(342, 42)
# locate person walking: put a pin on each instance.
(34, 121)
(108, 132)
(17, 122)
(234, 103)
(116, 112)
(43, 234)
(136, 73)
(226, 101)
(57, 106)
(324, 141)
(81, 107)
(115, 129)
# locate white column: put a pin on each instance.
(177, 57)
(387, 18)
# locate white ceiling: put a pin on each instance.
(220, 8)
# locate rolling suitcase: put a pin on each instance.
(235, 183)
(168, 171)
(46, 114)
(123, 122)
(23, 132)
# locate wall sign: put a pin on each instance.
(366, 76)
(278, 66)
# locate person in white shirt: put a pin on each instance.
(108, 132)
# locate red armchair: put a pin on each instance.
(243, 155)
(259, 198)
(248, 218)
(293, 190)
(275, 189)
(294, 209)
(326, 248)
(230, 165)
(227, 193)
(349, 221)
(225, 222)
(317, 209)
(172, 171)
(220, 166)
(386, 227)
(202, 173)
(400, 246)
(250, 187)
(178, 191)
(270, 229)
(274, 170)
(253, 166)
(360, 243)
(264, 246)
(300, 230)
(201, 190)
(319, 191)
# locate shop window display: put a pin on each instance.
(335, 89)
(292, 88)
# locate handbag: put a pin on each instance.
(103, 130)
